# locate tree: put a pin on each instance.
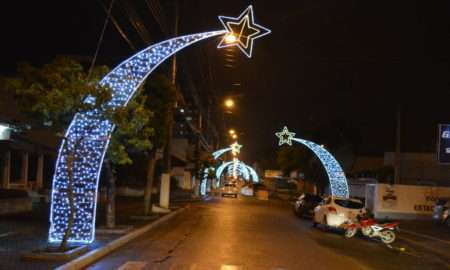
(292, 158)
(50, 96)
(132, 134)
(161, 94)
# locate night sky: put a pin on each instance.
(333, 70)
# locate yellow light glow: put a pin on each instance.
(231, 131)
(230, 38)
(234, 136)
(229, 103)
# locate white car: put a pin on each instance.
(334, 211)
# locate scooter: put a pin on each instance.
(370, 228)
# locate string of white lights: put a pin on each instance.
(338, 181)
(87, 136)
(87, 139)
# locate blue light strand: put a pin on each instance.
(91, 132)
(220, 152)
(336, 176)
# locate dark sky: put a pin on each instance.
(332, 70)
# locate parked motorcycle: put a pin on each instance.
(370, 228)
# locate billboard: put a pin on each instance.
(444, 144)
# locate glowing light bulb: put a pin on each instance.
(230, 38)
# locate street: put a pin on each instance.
(250, 234)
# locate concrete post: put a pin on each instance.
(40, 172)
(6, 171)
(164, 196)
(24, 170)
(196, 188)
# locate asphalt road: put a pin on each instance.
(238, 234)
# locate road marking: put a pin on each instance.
(426, 236)
(133, 265)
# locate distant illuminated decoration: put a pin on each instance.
(238, 168)
(5, 132)
(235, 149)
(87, 136)
(336, 176)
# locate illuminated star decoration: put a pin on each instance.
(235, 148)
(285, 136)
(243, 31)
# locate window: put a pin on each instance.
(348, 204)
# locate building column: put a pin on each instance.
(24, 170)
(40, 172)
(6, 170)
(187, 180)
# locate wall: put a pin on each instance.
(416, 167)
(403, 201)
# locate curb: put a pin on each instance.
(96, 254)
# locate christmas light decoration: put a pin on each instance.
(237, 168)
(235, 148)
(220, 152)
(242, 31)
(87, 139)
(336, 176)
(285, 136)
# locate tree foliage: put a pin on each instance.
(133, 131)
(161, 94)
(53, 94)
(292, 158)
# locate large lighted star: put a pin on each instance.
(243, 30)
(235, 148)
(285, 136)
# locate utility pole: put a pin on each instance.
(397, 177)
(165, 178)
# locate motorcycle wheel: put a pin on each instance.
(350, 232)
(366, 231)
(387, 236)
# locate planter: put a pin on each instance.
(52, 254)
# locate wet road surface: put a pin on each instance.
(238, 234)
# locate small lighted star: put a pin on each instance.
(242, 31)
(235, 148)
(285, 136)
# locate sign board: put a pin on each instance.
(394, 201)
(443, 147)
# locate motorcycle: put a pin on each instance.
(370, 228)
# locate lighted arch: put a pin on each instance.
(88, 135)
(243, 169)
(336, 176)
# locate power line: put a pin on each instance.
(100, 39)
(119, 29)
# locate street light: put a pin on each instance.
(230, 38)
(232, 131)
(234, 136)
(229, 103)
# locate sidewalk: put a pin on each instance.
(26, 232)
